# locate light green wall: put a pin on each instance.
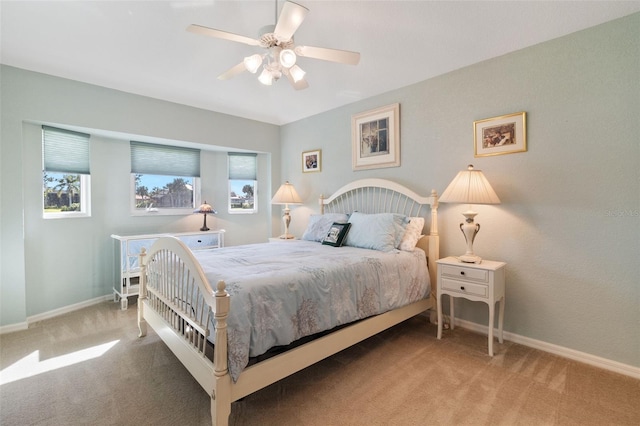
(569, 222)
(54, 263)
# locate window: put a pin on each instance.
(65, 173)
(164, 179)
(242, 182)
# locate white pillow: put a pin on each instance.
(412, 234)
(380, 231)
(319, 225)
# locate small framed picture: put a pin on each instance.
(500, 135)
(312, 161)
(375, 138)
(337, 233)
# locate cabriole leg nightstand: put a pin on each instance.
(482, 282)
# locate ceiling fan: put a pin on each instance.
(282, 53)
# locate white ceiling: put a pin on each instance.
(142, 47)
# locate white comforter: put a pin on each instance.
(286, 290)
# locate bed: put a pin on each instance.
(207, 306)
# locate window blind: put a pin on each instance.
(65, 151)
(166, 160)
(242, 166)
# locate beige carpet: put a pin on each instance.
(404, 376)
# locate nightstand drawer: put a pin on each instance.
(465, 288)
(461, 272)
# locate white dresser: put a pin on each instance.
(127, 249)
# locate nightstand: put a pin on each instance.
(481, 282)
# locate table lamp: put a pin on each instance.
(470, 187)
(286, 195)
(205, 209)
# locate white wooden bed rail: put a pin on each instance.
(178, 302)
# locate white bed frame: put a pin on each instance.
(170, 275)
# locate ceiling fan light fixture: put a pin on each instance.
(297, 73)
(287, 58)
(252, 63)
(266, 78)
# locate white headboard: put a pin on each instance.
(384, 196)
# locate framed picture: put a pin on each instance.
(500, 135)
(337, 233)
(312, 161)
(375, 138)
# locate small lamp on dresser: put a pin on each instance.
(470, 187)
(286, 195)
(205, 209)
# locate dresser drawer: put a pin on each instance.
(195, 242)
(462, 287)
(461, 272)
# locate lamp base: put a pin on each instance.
(465, 258)
(204, 224)
(286, 237)
(469, 229)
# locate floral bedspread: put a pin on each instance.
(282, 291)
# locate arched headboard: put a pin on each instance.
(384, 196)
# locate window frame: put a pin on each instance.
(164, 211)
(58, 168)
(230, 182)
(164, 160)
(85, 200)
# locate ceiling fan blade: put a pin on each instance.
(299, 85)
(199, 29)
(333, 55)
(291, 17)
(233, 71)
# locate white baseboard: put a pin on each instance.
(54, 313)
(596, 361)
(14, 327)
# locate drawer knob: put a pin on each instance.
(461, 272)
(462, 288)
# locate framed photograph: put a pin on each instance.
(337, 233)
(375, 138)
(312, 161)
(500, 135)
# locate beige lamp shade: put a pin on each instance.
(286, 195)
(470, 187)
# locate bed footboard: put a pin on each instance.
(177, 301)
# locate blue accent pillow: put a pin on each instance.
(379, 231)
(319, 225)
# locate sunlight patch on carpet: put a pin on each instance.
(31, 365)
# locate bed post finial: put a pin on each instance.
(321, 202)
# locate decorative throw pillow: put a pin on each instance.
(375, 231)
(337, 233)
(319, 225)
(412, 233)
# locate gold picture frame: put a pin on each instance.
(312, 161)
(506, 134)
(375, 138)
